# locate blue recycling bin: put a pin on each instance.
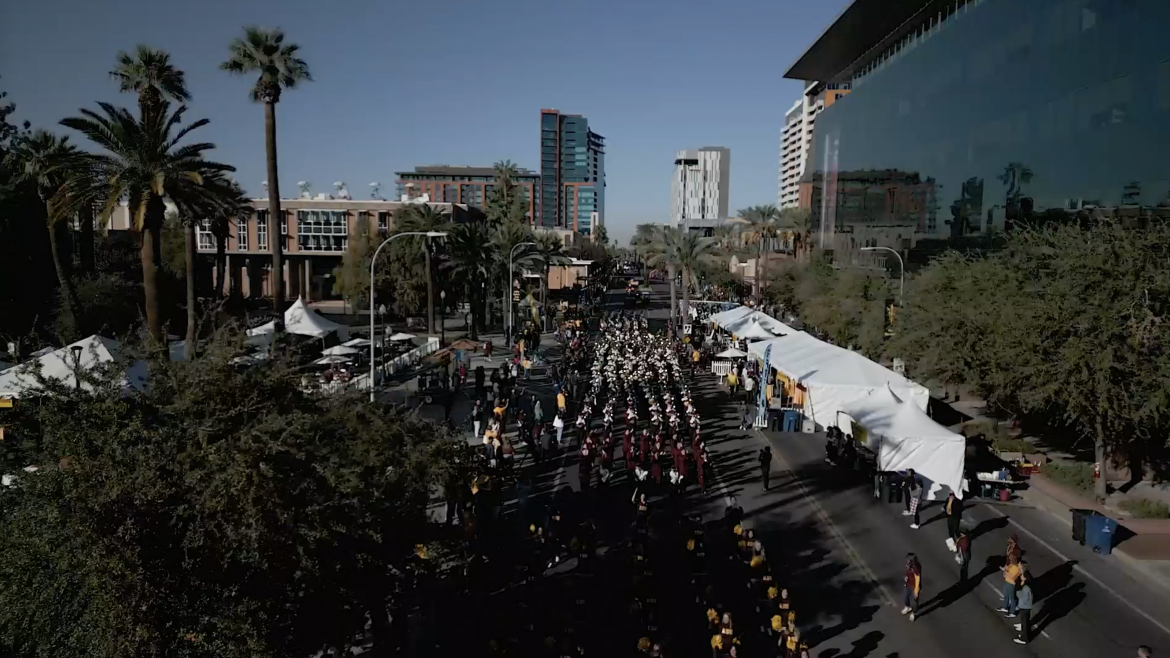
(791, 421)
(1099, 533)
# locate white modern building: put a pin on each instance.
(796, 139)
(700, 187)
(793, 150)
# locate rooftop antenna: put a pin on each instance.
(304, 186)
(339, 190)
(375, 190)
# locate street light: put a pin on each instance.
(373, 260)
(901, 265)
(443, 315)
(508, 325)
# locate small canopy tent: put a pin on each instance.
(903, 437)
(62, 364)
(833, 376)
(303, 321)
(769, 323)
(754, 331)
(399, 337)
(724, 318)
(731, 353)
(340, 350)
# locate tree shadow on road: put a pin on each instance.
(1058, 605)
(958, 590)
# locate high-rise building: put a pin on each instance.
(572, 173)
(467, 185)
(699, 188)
(796, 139)
(992, 113)
(792, 154)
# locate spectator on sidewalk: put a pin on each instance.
(559, 424)
(1011, 577)
(477, 417)
(963, 554)
(1024, 605)
(954, 510)
(913, 586)
(741, 407)
(765, 459)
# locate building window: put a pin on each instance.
(262, 230)
(324, 230)
(242, 236)
(383, 222)
(204, 239)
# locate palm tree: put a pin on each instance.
(660, 255)
(149, 73)
(759, 225)
(645, 235)
(143, 164)
(235, 206)
(798, 221)
(692, 252)
(265, 53)
(423, 217)
(470, 256)
(44, 160)
(505, 203)
(206, 205)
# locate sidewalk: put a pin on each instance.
(1146, 545)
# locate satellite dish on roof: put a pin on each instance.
(304, 187)
(339, 190)
(375, 190)
(265, 184)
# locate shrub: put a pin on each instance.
(1143, 508)
(1075, 475)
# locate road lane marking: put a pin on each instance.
(851, 552)
(1077, 567)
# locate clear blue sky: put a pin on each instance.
(399, 84)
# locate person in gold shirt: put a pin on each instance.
(1011, 578)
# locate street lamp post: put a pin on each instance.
(901, 265)
(373, 261)
(508, 324)
(443, 315)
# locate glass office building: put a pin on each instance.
(572, 173)
(968, 117)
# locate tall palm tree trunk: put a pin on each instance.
(64, 281)
(189, 344)
(673, 292)
(430, 288)
(473, 306)
(760, 270)
(220, 265)
(274, 212)
(86, 239)
(149, 255)
(686, 295)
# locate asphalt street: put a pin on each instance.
(842, 555)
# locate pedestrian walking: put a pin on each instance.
(741, 409)
(954, 510)
(477, 417)
(908, 482)
(1024, 606)
(916, 495)
(1011, 578)
(963, 554)
(765, 460)
(559, 424)
(912, 586)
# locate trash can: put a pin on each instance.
(884, 487)
(1078, 523)
(791, 421)
(1099, 532)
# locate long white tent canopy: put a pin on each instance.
(904, 437)
(304, 321)
(63, 365)
(739, 319)
(832, 376)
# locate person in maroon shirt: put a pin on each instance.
(628, 449)
(680, 459)
(700, 455)
(656, 461)
(585, 467)
(644, 446)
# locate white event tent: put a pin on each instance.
(304, 321)
(903, 436)
(62, 365)
(724, 318)
(770, 324)
(832, 376)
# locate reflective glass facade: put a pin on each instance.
(1010, 111)
(572, 167)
